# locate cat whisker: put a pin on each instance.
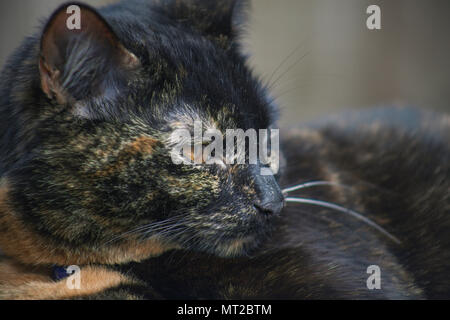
(353, 213)
(186, 240)
(147, 228)
(170, 232)
(159, 223)
(301, 44)
(288, 69)
(167, 232)
(314, 184)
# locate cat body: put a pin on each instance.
(318, 253)
(87, 179)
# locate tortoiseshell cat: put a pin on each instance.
(87, 178)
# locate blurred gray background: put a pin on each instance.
(331, 60)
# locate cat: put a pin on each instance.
(86, 117)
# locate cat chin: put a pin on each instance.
(240, 242)
(236, 247)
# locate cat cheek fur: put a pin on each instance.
(27, 245)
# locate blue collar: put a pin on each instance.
(59, 273)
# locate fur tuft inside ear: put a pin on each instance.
(77, 59)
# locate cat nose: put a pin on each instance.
(270, 207)
(270, 198)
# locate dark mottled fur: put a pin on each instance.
(85, 158)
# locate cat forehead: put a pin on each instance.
(188, 118)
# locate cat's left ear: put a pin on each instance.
(80, 55)
(212, 17)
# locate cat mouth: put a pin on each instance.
(237, 241)
(220, 232)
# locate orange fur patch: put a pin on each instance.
(142, 145)
(92, 280)
(234, 247)
(15, 274)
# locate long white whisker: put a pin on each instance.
(345, 210)
(157, 224)
(313, 184)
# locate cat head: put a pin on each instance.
(97, 182)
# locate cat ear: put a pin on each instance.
(212, 17)
(80, 55)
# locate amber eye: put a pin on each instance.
(192, 154)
